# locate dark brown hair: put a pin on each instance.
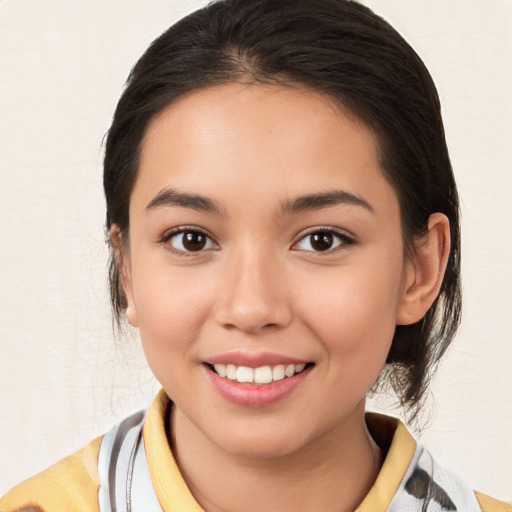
(338, 48)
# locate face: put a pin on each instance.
(264, 245)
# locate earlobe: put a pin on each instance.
(131, 316)
(122, 259)
(424, 275)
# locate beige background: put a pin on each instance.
(63, 378)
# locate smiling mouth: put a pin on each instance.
(259, 375)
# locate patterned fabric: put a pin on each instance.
(71, 485)
(427, 484)
(132, 469)
(125, 483)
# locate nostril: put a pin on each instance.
(252, 329)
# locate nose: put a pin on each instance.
(253, 294)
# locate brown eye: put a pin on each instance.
(194, 241)
(322, 241)
(190, 241)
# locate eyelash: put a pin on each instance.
(169, 235)
(343, 240)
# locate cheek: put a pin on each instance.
(353, 313)
(171, 307)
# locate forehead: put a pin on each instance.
(237, 136)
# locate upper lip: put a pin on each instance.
(254, 360)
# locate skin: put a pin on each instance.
(258, 286)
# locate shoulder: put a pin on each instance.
(488, 504)
(70, 485)
(411, 479)
(430, 480)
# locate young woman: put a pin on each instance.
(284, 231)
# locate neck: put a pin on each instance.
(333, 473)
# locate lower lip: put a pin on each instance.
(256, 395)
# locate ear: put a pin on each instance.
(123, 264)
(425, 272)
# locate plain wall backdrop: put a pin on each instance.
(64, 379)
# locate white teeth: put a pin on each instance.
(245, 374)
(278, 372)
(263, 375)
(289, 371)
(231, 371)
(260, 375)
(220, 369)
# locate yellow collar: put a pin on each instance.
(173, 493)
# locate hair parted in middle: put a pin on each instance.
(343, 50)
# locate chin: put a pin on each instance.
(263, 442)
(263, 448)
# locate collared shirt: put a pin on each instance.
(132, 469)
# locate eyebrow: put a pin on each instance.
(324, 200)
(171, 197)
